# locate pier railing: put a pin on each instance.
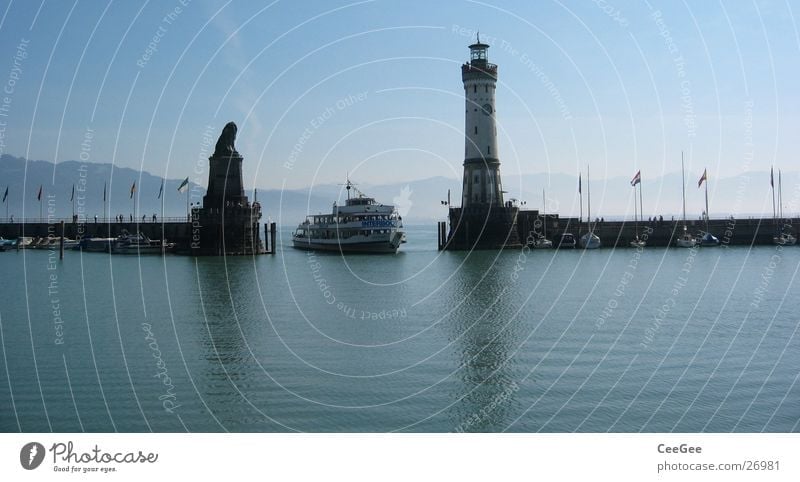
(99, 220)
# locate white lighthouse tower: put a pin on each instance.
(483, 221)
(482, 184)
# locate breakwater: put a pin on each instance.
(530, 224)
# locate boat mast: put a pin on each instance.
(780, 198)
(772, 185)
(588, 201)
(683, 186)
(544, 215)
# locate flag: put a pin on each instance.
(133, 188)
(637, 178)
(72, 196)
(771, 178)
(104, 192)
(5, 195)
(184, 185)
(703, 178)
(161, 190)
(579, 183)
(39, 196)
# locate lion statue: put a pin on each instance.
(225, 144)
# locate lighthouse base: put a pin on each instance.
(483, 227)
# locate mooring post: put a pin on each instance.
(61, 243)
(439, 235)
(267, 247)
(272, 234)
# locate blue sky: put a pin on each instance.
(373, 88)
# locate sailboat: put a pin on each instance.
(637, 179)
(781, 237)
(589, 240)
(541, 241)
(685, 240)
(708, 239)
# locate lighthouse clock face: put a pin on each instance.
(487, 109)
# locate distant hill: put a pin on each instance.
(419, 201)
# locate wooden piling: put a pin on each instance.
(61, 243)
(272, 236)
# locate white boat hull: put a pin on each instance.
(784, 240)
(686, 241)
(332, 245)
(590, 241)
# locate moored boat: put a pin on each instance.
(685, 240)
(541, 241)
(589, 240)
(709, 239)
(784, 239)
(96, 245)
(139, 244)
(567, 241)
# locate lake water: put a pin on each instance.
(608, 340)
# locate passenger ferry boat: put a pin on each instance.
(362, 225)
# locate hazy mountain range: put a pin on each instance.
(418, 201)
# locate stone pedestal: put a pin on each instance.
(227, 223)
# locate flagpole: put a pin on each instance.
(706, 183)
(188, 213)
(72, 198)
(641, 208)
(635, 217)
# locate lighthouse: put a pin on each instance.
(481, 185)
(484, 220)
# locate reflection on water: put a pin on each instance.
(482, 328)
(421, 341)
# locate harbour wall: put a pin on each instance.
(177, 232)
(730, 231)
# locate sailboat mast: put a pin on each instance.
(588, 200)
(544, 215)
(780, 196)
(683, 186)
